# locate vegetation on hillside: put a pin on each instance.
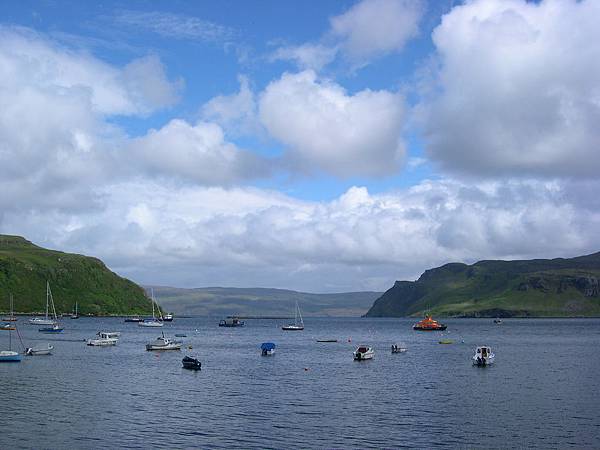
(25, 268)
(541, 287)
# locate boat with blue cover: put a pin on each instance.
(267, 348)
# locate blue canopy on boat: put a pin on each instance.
(267, 346)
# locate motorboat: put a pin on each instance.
(399, 348)
(135, 319)
(163, 343)
(267, 348)
(231, 322)
(428, 324)
(168, 317)
(497, 321)
(9, 356)
(104, 339)
(446, 341)
(45, 349)
(54, 328)
(363, 352)
(191, 363)
(298, 325)
(483, 356)
(7, 327)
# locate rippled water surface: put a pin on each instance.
(543, 391)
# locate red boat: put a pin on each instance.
(428, 324)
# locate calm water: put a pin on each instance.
(543, 391)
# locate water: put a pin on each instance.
(542, 392)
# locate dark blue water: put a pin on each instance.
(543, 391)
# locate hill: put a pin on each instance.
(540, 287)
(221, 302)
(25, 268)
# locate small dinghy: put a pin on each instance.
(483, 356)
(399, 348)
(363, 352)
(191, 363)
(39, 350)
(267, 348)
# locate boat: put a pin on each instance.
(135, 319)
(75, 315)
(9, 355)
(327, 340)
(168, 317)
(497, 321)
(399, 348)
(267, 348)
(191, 363)
(231, 322)
(445, 341)
(39, 350)
(46, 320)
(363, 352)
(7, 327)
(296, 326)
(181, 335)
(163, 343)
(11, 317)
(428, 324)
(54, 328)
(104, 339)
(154, 322)
(483, 356)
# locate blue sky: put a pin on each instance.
(321, 146)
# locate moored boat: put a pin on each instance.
(429, 324)
(399, 348)
(191, 363)
(231, 322)
(7, 327)
(363, 352)
(163, 343)
(297, 325)
(483, 356)
(11, 317)
(45, 349)
(267, 348)
(54, 328)
(9, 356)
(135, 319)
(168, 317)
(154, 322)
(104, 339)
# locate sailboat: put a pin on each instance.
(154, 322)
(296, 326)
(11, 317)
(54, 326)
(9, 355)
(46, 320)
(75, 315)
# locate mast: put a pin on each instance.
(47, 295)
(152, 300)
(52, 300)
(300, 314)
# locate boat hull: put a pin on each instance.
(151, 347)
(150, 324)
(51, 330)
(292, 328)
(439, 328)
(102, 342)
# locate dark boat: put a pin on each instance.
(232, 322)
(191, 363)
(168, 318)
(428, 324)
(133, 319)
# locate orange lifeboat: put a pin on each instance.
(428, 324)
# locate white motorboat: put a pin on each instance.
(483, 356)
(154, 322)
(163, 343)
(363, 352)
(46, 320)
(45, 349)
(399, 348)
(104, 339)
(297, 325)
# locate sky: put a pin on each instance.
(318, 146)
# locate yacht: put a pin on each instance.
(154, 322)
(363, 352)
(298, 325)
(163, 343)
(483, 356)
(46, 320)
(428, 324)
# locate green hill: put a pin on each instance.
(540, 287)
(25, 268)
(223, 301)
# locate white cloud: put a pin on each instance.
(519, 89)
(306, 56)
(372, 28)
(328, 129)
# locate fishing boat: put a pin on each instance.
(7, 327)
(45, 349)
(163, 343)
(11, 317)
(297, 325)
(46, 320)
(9, 355)
(267, 348)
(75, 315)
(191, 363)
(428, 324)
(231, 322)
(363, 352)
(154, 322)
(483, 356)
(399, 348)
(104, 339)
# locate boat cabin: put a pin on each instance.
(484, 351)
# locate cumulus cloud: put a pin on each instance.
(325, 127)
(160, 233)
(519, 89)
(198, 153)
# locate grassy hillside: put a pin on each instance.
(541, 287)
(218, 301)
(25, 268)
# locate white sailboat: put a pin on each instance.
(11, 317)
(154, 322)
(296, 326)
(9, 355)
(46, 320)
(75, 315)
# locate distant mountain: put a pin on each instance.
(25, 268)
(540, 287)
(221, 302)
